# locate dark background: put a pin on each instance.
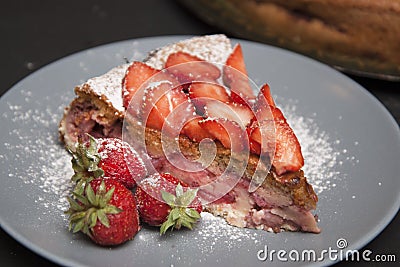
(35, 33)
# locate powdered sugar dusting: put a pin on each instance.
(218, 231)
(212, 238)
(320, 151)
(42, 161)
(110, 86)
(197, 46)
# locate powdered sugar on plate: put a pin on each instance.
(321, 152)
(42, 160)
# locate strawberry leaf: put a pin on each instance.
(179, 190)
(187, 197)
(169, 198)
(85, 160)
(187, 224)
(91, 196)
(77, 216)
(103, 218)
(175, 214)
(166, 225)
(107, 197)
(92, 220)
(74, 206)
(192, 213)
(78, 226)
(111, 209)
(81, 199)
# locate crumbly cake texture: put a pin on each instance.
(98, 110)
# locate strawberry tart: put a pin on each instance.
(190, 110)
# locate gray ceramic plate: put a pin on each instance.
(350, 142)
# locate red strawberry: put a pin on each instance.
(105, 211)
(167, 107)
(229, 133)
(188, 68)
(235, 76)
(136, 75)
(163, 201)
(240, 114)
(236, 60)
(264, 98)
(120, 161)
(194, 131)
(276, 134)
(108, 158)
(199, 92)
(254, 146)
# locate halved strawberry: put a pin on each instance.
(241, 91)
(236, 59)
(264, 98)
(240, 114)
(235, 76)
(136, 75)
(229, 133)
(188, 68)
(201, 91)
(276, 135)
(166, 105)
(254, 146)
(288, 156)
(194, 131)
(151, 116)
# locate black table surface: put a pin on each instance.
(35, 33)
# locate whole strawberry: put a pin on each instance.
(106, 212)
(164, 201)
(119, 159)
(108, 158)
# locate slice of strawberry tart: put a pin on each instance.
(189, 109)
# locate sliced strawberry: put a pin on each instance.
(188, 68)
(199, 92)
(238, 99)
(136, 75)
(229, 133)
(264, 98)
(241, 91)
(276, 135)
(235, 76)
(149, 114)
(254, 146)
(240, 114)
(166, 105)
(236, 59)
(288, 156)
(194, 131)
